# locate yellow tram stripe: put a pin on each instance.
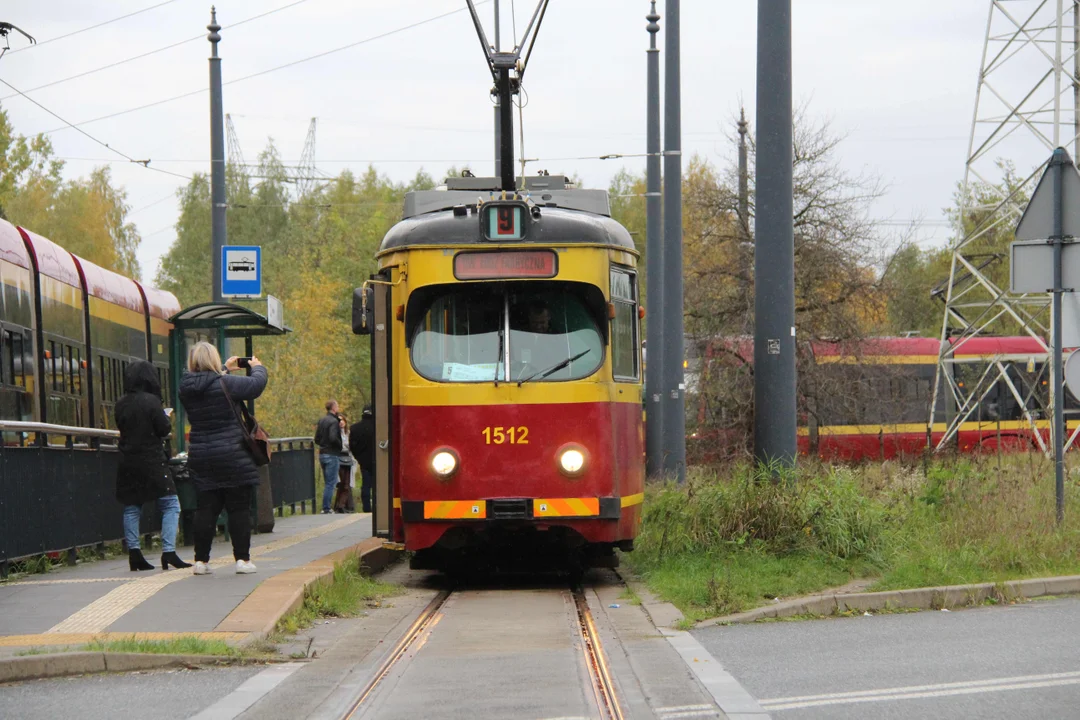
(631, 500)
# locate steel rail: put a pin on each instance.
(595, 661)
(427, 618)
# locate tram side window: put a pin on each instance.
(7, 360)
(77, 369)
(18, 360)
(624, 327)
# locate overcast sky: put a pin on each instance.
(897, 78)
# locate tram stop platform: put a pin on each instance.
(103, 600)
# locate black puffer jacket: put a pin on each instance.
(141, 419)
(217, 455)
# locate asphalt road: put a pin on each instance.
(162, 695)
(1020, 661)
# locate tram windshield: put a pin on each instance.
(466, 333)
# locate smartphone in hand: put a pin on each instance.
(243, 362)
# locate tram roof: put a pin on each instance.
(12, 248)
(555, 226)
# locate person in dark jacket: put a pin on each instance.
(331, 449)
(362, 445)
(143, 473)
(220, 465)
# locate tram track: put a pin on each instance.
(583, 633)
(604, 688)
(412, 638)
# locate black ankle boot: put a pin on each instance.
(171, 558)
(136, 561)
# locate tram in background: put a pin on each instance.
(68, 329)
(506, 376)
(872, 397)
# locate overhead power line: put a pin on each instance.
(144, 163)
(269, 70)
(93, 27)
(201, 36)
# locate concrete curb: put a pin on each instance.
(33, 667)
(933, 598)
(258, 614)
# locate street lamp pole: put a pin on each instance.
(217, 158)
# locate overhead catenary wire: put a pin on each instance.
(260, 73)
(144, 163)
(92, 27)
(200, 36)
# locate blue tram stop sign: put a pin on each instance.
(241, 271)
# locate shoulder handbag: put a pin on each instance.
(255, 438)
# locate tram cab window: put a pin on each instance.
(459, 334)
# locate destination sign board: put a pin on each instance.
(505, 265)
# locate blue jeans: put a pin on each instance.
(330, 465)
(169, 505)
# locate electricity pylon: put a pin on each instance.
(305, 171)
(1027, 102)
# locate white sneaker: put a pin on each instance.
(202, 568)
(244, 567)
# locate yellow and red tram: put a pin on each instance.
(506, 376)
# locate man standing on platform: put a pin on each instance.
(362, 444)
(328, 438)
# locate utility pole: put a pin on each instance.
(654, 263)
(498, 120)
(774, 248)
(744, 180)
(217, 158)
(674, 422)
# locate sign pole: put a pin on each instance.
(1057, 163)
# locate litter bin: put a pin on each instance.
(185, 491)
(264, 502)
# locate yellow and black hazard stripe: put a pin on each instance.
(600, 508)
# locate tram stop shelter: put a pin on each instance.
(218, 323)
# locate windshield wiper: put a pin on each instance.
(555, 368)
(499, 357)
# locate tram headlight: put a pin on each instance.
(444, 463)
(572, 460)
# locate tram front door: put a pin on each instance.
(371, 316)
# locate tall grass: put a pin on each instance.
(730, 540)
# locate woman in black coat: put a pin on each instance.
(143, 474)
(219, 462)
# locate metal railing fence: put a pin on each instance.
(58, 483)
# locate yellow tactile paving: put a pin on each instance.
(70, 581)
(83, 638)
(116, 603)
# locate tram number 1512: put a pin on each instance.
(501, 435)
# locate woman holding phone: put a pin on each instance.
(221, 466)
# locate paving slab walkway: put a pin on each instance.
(101, 599)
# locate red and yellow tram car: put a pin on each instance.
(506, 375)
(871, 398)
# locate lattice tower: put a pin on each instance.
(305, 171)
(236, 156)
(1027, 102)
